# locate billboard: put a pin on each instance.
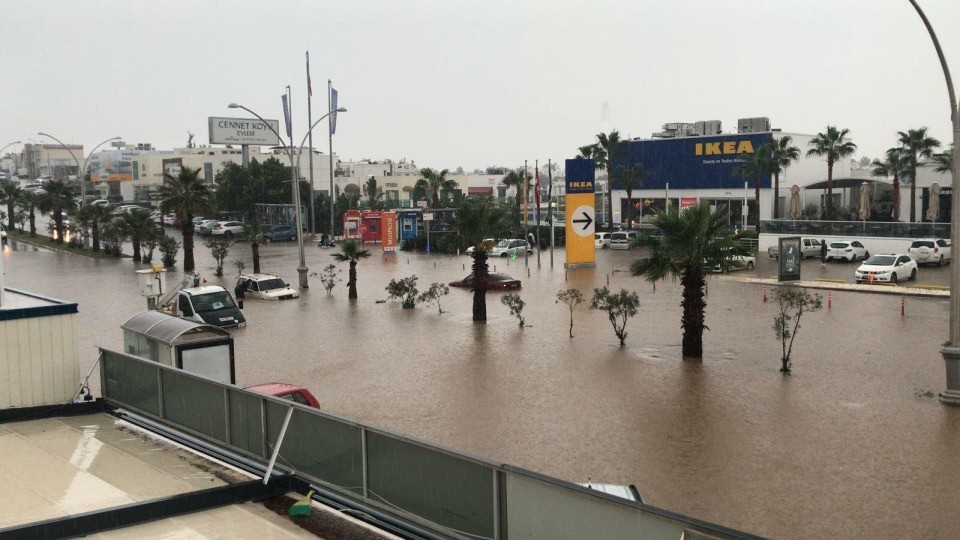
(580, 213)
(692, 162)
(243, 131)
(388, 224)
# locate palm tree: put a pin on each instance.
(254, 233)
(373, 193)
(753, 167)
(943, 161)
(631, 178)
(831, 145)
(351, 251)
(94, 216)
(436, 182)
(916, 144)
(186, 195)
(481, 274)
(138, 227)
(603, 152)
(893, 165)
(10, 194)
(781, 153)
(514, 179)
(692, 239)
(57, 199)
(476, 219)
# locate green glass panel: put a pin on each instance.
(246, 429)
(131, 383)
(317, 446)
(195, 403)
(447, 490)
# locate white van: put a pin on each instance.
(622, 239)
(208, 304)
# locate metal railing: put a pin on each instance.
(440, 489)
(881, 229)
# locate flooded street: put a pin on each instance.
(854, 444)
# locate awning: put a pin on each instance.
(840, 183)
(482, 190)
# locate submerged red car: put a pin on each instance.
(495, 282)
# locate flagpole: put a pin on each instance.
(313, 230)
(536, 202)
(550, 208)
(526, 188)
(330, 157)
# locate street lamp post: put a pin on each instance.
(81, 170)
(951, 350)
(294, 167)
(8, 145)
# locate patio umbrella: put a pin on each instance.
(864, 201)
(795, 211)
(933, 206)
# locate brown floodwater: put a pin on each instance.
(854, 444)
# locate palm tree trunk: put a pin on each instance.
(829, 204)
(255, 247)
(352, 281)
(188, 264)
(58, 226)
(10, 215)
(629, 207)
(896, 197)
(756, 203)
(913, 194)
(95, 229)
(136, 249)
(479, 305)
(33, 223)
(693, 315)
(776, 195)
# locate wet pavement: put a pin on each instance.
(853, 444)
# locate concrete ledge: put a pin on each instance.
(929, 292)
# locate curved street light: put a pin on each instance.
(7, 146)
(950, 350)
(81, 170)
(295, 184)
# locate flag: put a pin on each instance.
(333, 109)
(536, 192)
(309, 85)
(286, 115)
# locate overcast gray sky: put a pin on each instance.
(472, 84)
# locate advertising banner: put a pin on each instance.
(388, 224)
(243, 131)
(789, 259)
(580, 213)
(692, 162)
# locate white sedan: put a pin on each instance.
(264, 286)
(847, 250)
(888, 268)
(736, 262)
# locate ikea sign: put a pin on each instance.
(693, 162)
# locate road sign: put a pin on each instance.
(583, 221)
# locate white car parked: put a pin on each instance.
(511, 246)
(601, 240)
(930, 251)
(265, 286)
(887, 268)
(846, 250)
(227, 229)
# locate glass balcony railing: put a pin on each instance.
(880, 229)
